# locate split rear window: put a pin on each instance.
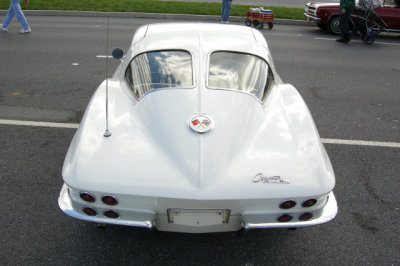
(239, 71)
(156, 70)
(160, 70)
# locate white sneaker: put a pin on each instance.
(2, 28)
(24, 31)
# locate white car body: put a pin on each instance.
(256, 154)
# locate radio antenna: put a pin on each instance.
(107, 133)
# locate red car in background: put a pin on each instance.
(326, 15)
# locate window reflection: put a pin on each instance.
(160, 70)
(239, 71)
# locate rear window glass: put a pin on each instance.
(160, 70)
(239, 71)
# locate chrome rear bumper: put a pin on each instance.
(148, 220)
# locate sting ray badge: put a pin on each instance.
(269, 179)
(201, 123)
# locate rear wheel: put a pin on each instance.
(255, 23)
(270, 25)
(248, 22)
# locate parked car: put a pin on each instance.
(199, 134)
(326, 15)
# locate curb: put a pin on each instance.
(149, 15)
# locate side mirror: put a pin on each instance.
(117, 53)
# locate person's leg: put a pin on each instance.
(344, 25)
(228, 9)
(18, 13)
(8, 17)
(225, 10)
(349, 34)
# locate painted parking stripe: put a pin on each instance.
(330, 39)
(324, 140)
(361, 143)
(37, 124)
(105, 56)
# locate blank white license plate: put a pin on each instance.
(193, 217)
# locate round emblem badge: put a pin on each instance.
(201, 123)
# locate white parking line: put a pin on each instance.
(361, 143)
(386, 43)
(37, 124)
(105, 56)
(325, 141)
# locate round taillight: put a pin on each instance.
(111, 214)
(305, 216)
(287, 204)
(309, 202)
(89, 211)
(109, 200)
(285, 218)
(86, 196)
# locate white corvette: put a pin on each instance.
(199, 135)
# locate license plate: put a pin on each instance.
(195, 217)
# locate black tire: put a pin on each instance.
(255, 23)
(355, 29)
(248, 22)
(322, 26)
(270, 25)
(369, 40)
(363, 31)
(333, 25)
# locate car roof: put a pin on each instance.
(201, 37)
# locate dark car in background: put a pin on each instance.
(326, 15)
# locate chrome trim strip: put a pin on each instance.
(311, 18)
(65, 204)
(329, 212)
(392, 30)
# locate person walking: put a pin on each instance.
(345, 10)
(225, 10)
(15, 10)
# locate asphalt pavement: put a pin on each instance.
(50, 75)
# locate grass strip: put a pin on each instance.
(152, 6)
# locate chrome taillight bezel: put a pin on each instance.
(114, 200)
(87, 196)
